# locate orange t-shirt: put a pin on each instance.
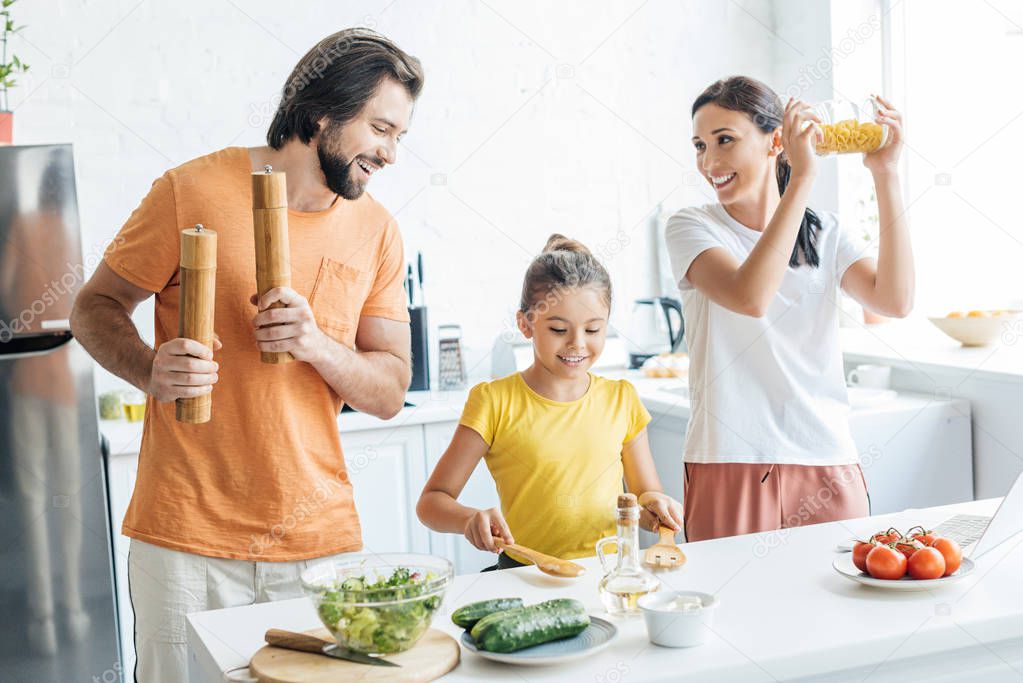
(265, 478)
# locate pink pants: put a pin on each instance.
(728, 499)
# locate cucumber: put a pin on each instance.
(466, 616)
(523, 627)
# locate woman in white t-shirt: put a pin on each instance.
(768, 444)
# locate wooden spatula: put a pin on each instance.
(665, 554)
(547, 564)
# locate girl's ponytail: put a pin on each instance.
(564, 264)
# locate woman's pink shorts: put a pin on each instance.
(728, 499)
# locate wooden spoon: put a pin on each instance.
(665, 554)
(545, 563)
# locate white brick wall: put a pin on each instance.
(569, 116)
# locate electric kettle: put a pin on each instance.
(656, 327)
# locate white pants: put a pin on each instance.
(165, 585)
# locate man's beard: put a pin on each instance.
(337, 171)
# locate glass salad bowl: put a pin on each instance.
(378, 604)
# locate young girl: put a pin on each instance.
(768, 443)
(557, 439)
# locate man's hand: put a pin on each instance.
(292, 328)
(183, 368)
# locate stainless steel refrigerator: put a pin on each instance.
(56, 576)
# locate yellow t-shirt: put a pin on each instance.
(557, 465)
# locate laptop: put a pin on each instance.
(978, 534)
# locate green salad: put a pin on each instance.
(407, 600)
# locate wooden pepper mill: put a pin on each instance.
(273, 256)
(195, 318)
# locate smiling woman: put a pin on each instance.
(759, 272)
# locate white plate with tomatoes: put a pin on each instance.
(915, 561)
(844, 566)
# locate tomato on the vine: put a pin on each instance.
(926, 563)
(886, 537)
(923, 535)
(859, 555)
(952, 553)
(885, 562)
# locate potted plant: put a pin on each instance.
(8, 69)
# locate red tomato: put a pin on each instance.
(908, 547)
(927, 563)
(926, 539)
(860, 550)
(951, 551)
(885, 562)
(886, 537)
(923, 535)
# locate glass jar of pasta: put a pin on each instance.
(848, 127)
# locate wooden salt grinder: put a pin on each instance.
(273, 256)
(195, 319)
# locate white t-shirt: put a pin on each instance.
(770, 389)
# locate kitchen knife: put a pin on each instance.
(419, 268)
(304, 642)
(408, 285)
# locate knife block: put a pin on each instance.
(273, 255)
(420, 349)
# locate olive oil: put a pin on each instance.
(622, 586)
(134, 406)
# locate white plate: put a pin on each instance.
(863, 397)
(843, 564)
(595, 638)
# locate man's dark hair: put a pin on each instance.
(336, 78)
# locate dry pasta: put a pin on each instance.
(850, 136)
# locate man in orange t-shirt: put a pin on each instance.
(229, 512)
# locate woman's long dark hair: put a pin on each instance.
(764, 107)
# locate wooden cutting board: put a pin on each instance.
(434, 655)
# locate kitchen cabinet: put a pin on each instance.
(915, 450)
(387, 468)
(479, 492)
(666, 434)
(122, 469)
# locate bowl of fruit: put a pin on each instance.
(977, 327)
(914, 561)
(378, 604)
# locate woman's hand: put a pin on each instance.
(660, 509)
(484, 526)
(886, 159)
(800, 131)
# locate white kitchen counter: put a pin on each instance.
(915, 344)
(784, 614)
(663, 397)
(427, 407)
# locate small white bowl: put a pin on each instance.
(670, 627)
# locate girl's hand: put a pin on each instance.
(886, 159)
(800, 130)
(484, 526)
(660, 509)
